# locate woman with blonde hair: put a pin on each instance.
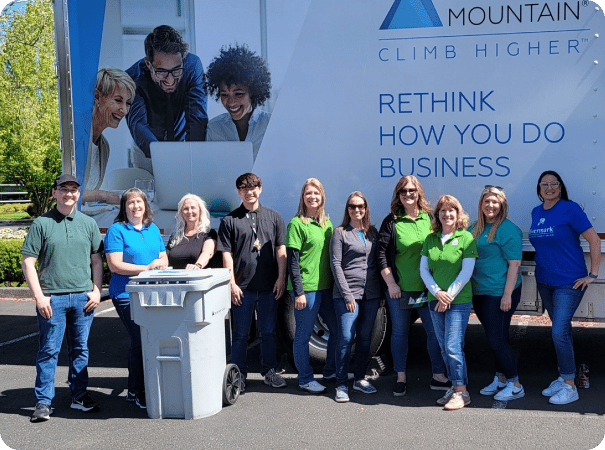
(193, 243)
(310, 281)
(357, 293)
(113, 96)
(402, 234)
(496, 286)
(446, 267)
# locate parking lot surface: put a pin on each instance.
(267, 418)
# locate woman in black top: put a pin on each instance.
(193, 244)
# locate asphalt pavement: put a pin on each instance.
(268, 418)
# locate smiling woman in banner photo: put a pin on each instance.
(446, 267)
(113, 95)
(240, 79)
(556, 226)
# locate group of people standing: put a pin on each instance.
(428, 259)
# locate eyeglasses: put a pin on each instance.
(553, 185)
(407, 191)
(163, 73)
(354, 207)
(63, 190)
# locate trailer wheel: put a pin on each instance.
(318, 344)
(231, 384)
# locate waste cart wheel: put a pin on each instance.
(231, 384)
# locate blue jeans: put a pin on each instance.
(67, 313)
(496, 324)
(450, 327)
(136, 373)
(266, 314)
(561, 303)
(305, 321)
(356, 325)
(400, 319)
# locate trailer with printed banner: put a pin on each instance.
(460, 93)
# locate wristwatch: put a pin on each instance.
(592, 275)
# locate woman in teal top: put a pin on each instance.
(446, 266)
(497, 287)
(310, 281)
(400, 240)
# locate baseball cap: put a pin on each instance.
(66, 178)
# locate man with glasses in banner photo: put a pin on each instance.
(170, 101)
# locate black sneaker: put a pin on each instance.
(437, 385)
(85, 403)
(400, 389)
(41, 413)
(140, 400)
(131, 396)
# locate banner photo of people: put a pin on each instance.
(187, 95)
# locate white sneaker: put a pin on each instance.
(493, 387)
(565, 395)
(312, 386)
(554, 387)
(510, 392)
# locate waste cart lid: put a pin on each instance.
(171, 276)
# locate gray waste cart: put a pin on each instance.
(182, 318)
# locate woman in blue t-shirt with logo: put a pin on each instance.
(497, 287)
(561, 272)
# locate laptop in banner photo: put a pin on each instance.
(207, 169)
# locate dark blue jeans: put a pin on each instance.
(136, 374)
(67, 313)
(356, 326)
(496, 324)
(450, 327)
(305, 321)
(266, 314)
(400, 319)
(561, 303)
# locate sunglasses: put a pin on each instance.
(407, 191)
(491, 186)
(360, 207)
(553, 185)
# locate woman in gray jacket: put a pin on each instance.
(356, 292)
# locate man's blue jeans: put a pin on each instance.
(496, 324)
(450, 327)
(67, 313)
(561, 303)
(317, 301)
(136, 372)
(354, 326)
(400, 319)
(266, 314)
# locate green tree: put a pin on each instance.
(29, 114)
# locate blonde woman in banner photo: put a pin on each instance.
(113, 96)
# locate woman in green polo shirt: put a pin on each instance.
(497, 287)
(446, 267)
(310, 281)
(400, 240)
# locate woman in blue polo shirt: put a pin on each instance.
(496, 286)
(133, 244)
(556, 226)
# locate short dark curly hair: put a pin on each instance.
(239, 65)
(165, 39)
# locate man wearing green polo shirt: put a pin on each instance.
(67, 289)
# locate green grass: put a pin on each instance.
(14, 211)
(14, 216)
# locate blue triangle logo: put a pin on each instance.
(411, 14)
